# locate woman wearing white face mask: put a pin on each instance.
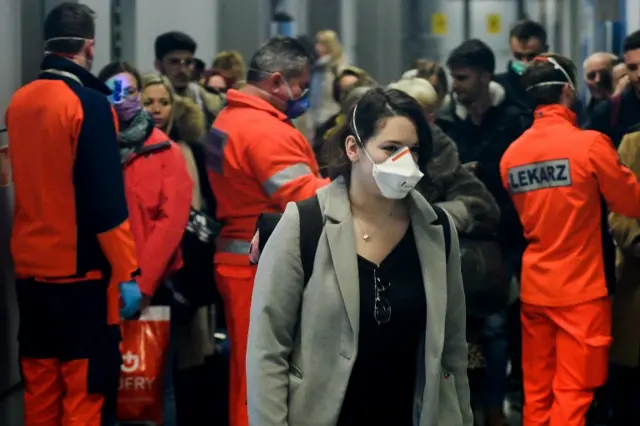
(372, 329)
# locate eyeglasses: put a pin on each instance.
(381, 307)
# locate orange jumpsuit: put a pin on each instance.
(556, 175)
(258, 162)
(70, 243)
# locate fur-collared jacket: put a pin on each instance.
(457, 190)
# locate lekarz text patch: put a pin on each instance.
(545, 174)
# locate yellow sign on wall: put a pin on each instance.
(494, 23)
(439, 24)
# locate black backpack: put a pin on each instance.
(312, 222)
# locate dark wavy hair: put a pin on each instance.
(117, 67)
(374, 108)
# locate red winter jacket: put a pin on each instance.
(158, 190)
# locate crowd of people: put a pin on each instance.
(333, 251)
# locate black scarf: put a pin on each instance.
(135, 134)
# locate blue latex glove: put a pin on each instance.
(131, 298)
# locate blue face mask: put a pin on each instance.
(518, 66)
(297, 107)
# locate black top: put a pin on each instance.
(624, 119)
(382, 383)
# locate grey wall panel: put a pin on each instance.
(507, 10)
(144, 20)
(12, 48)
(32, 13)
(379, 38)
(417, 39)
(102, 10)
(127, 15)
(323, 15)
(348, 30)
(243, 25)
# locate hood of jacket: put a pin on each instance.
(497, 94)
(188, 121)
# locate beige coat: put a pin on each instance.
(625, 350)
(303, 340)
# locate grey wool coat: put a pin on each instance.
(303, 340)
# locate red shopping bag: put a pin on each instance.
(144, 347)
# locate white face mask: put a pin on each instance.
(557, 66)
(397, 175)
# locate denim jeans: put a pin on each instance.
(169, 404)
(495, 349)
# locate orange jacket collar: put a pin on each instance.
(555, 111)
(238, 99)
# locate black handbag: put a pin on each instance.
(484, 274)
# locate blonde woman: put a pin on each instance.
(330, 61)
(183, 120)
(158, 98)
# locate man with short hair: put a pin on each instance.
(175, 59)
(558, 177)
(198, 69)
(619, 115)
(70, 242)
(598, 75)
(483, 122)
(527, 40)
(258, 162)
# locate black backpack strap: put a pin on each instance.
(311, 224)
(443, 220)
(199, 156)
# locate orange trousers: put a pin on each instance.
(565, 352)
(235, 283)
(69, 354)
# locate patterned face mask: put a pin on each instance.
(124, 97)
